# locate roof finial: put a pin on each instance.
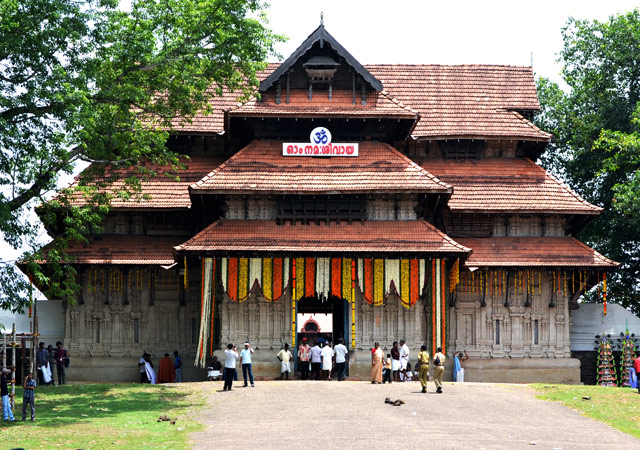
(321, 18)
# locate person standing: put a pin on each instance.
(148, 367)
(395, 361)
(285, 357)
(376, 364)
(28, 397)
(7, 414)
(245, 355)
(230, 358)
(42, 362)
(404, 358)
(166, 370)
(143, 371)
(316, 361)
(177, 365)
(52, 363)
(438, 361)
(423, 367)
(340, 352)
(327, 361)
(303, 357)
(62, 361)
(386, 370)
(458, 370)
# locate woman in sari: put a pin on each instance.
(376, 364)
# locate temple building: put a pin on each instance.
(395, 201)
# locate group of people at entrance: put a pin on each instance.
(319, 361)
(396, 366)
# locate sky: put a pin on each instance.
(429, 32)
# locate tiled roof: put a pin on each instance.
(408, 236)
(261, 168)
(341, 105)
(453, 101)
(505, 184)
(465, 100)
(533, 252)
(125, 249)
(165, 191)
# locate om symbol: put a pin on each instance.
(320, 135)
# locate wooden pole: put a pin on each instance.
(13, 367)
(36, 336)
(4, 350)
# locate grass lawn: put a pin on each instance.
(617, 407)
(97, 416)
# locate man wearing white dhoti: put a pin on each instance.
(404, 358)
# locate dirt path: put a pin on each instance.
(327, 415)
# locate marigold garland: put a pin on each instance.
(243, 279)
(267, 278)
(309, 277)
(405, 282)
(347, 263)
(336, 276)
(454, 276)
(378, 282)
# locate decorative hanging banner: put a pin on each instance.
(323, 277)
(206, 312)
(299, 275)
(309, 277)
(336, 277)
(268, 275)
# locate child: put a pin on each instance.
(408, 376)
(386, 374)
(28, 397)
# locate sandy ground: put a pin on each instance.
(352, 414)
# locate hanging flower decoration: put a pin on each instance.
(454, 276)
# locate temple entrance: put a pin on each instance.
(322, 319)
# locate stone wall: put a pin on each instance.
(107, 332)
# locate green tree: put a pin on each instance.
(82, 80)
(595, 147)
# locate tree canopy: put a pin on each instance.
(597, 135)
(82, 80)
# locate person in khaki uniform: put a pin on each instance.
(423, 370)
(438, 360)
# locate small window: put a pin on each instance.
(136, 331)
(97, 331)
(497, 332)
(536, 332)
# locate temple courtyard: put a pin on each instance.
(310, 415)
(327, 415)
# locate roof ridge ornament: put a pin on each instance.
(321, 18)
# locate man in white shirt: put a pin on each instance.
(246, 363)
(327, 361)
(404, 358)
(315, 354)
(285, 357)
(230, 358)
(340, 352)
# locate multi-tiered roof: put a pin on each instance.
(380, 105)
